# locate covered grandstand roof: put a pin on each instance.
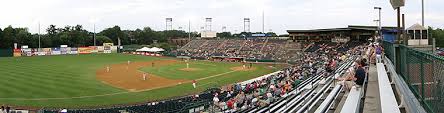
(350, 27)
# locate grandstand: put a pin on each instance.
(308, 86)
(294, 89)
(254, 49)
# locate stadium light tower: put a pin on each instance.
(208, 24)
(189, 29)
(168, 24)
(379, 25)
(246, 24)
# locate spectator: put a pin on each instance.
(355, 76)
(379, 51)
(8, 109)
(216, 99)
(64, 110)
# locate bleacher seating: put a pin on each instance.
(279, 50)
(351, 105)
(387, 97)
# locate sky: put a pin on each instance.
(279, 15)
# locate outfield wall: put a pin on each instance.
(6, 52)
(60, 51)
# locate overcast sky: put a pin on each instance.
(280, 15)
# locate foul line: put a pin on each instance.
(111, 94)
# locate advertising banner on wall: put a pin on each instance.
(74, 50)
(55, 51)
(85, 50)
(35, 51)
(100, 49)
(108, 44)
(47, 51)
(17, 52)
(93, 49)
(41, 52)
(113, 49)
(63, 50)
(107, 49)
(26, 52)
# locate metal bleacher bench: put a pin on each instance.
(388, 100)
(352, 103)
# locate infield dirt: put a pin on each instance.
(127, 76)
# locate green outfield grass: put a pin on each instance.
(69, 81)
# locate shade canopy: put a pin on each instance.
(146, 49)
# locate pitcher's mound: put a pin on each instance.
(241, 68)
(189, 69)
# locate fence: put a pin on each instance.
(389, 50)
(422, 71)
(6, 52)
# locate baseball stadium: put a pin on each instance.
(352, 69)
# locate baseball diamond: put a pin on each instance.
(75, 81)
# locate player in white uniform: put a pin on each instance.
(144, 76)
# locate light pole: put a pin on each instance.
(379, 25)
(94, 36)
(39, 36)
(422, 4)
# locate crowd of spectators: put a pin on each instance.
(5, 109)
(261, 49)
(264, 91)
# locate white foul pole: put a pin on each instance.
(94, 35)
(39, 36)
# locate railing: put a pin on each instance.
(406, 96)
(423, 72)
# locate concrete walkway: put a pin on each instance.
(372, 103)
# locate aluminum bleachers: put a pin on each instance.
(328, 101)
(387, 96)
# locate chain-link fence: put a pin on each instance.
(389, 50)
(423, 72)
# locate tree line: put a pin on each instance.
(77, 36)
(438, 34)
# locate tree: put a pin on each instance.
(103, 39)
(52, 30)
(1, 38)
(114, 33)
(272, 34)
(23, 37)
(438, 34)
(8, 37)
(225, 35)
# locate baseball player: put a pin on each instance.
(194, 84)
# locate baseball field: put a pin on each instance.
(93, 80)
